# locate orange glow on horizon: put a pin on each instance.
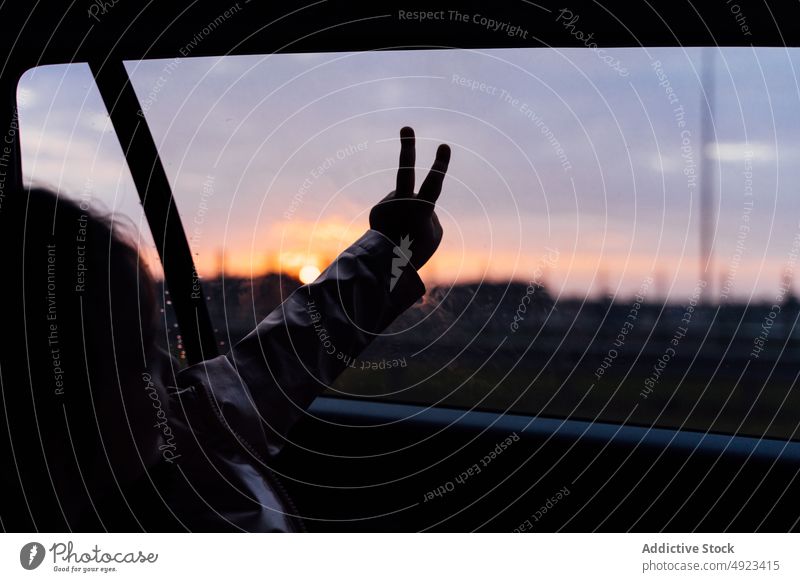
(300, 249)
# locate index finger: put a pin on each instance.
(432, 186)
(408, 156)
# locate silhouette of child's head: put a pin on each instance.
(79, 319)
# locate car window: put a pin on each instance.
(621, 228)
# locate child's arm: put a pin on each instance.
(278, 369)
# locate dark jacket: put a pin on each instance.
(231, 415)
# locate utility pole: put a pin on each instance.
(707, 210)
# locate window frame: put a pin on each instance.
(160, 209)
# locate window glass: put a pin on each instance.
(621, 227)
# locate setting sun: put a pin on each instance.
(308, 274)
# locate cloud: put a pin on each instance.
(738, 151)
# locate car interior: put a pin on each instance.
(528, 392)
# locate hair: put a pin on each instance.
(80, 320)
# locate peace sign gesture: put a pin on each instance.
(403, 215)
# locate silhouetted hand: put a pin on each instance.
(405, 214)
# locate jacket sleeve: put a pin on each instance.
(266, 382)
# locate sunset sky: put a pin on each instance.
(275, 161)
